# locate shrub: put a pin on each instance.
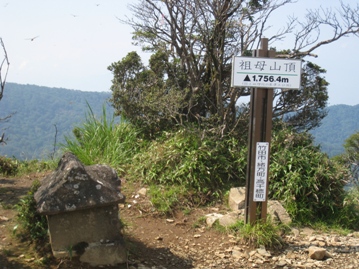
(31, 166)
(12, 167)
(348, 216)
(305, 179)
(165, 199)
(33, 225)
(8, 167)
(202, 167)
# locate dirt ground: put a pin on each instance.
(152, 240)
(181, 241)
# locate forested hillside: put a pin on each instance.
(341, 122)
(37, 110)
(31, 130)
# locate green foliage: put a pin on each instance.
(348, 216)
(36, 166)
(306, 180)
(203, 167)
(103, 141)
(143, 97)
(185, 167)
(166, 198)
(13, 167)
(303, 109)
(262, 233)
(231, 229)
(351, 156)
(200, 222)
(67, 108)
(33, 225)
(194, 170)
(189, 73)
(8, 167)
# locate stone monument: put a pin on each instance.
(81, 205)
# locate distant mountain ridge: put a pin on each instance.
(341, 122)
(31, 130)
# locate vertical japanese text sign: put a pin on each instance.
(261, 168)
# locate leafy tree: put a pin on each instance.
(303, 109)
(141, 94)
(193, 42)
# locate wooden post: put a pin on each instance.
(260, 127)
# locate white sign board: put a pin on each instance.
(260, 174)
(266, 73)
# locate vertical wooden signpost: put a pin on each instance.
(262, 75)
(260, 128)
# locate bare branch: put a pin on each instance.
(4, 62)
(342, 22)
(2, 139)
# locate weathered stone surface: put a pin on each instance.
(236, 198)
(211, 218)
(81, 204)
(104, 254)
(142, 191)
(224, 220)
(263, 252)
(316, 253)
(91, 225)
(278, 212)
(74, 186)
(236, 201)
(228, 219)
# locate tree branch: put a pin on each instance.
(4, 61)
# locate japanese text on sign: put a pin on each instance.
(260, 175)
(266, 73)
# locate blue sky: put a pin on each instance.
(76, 40)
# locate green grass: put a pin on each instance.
(105, 142)
(32, 166)
(261, 234)
(13, 167)
(201, 221)
(165, 199)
